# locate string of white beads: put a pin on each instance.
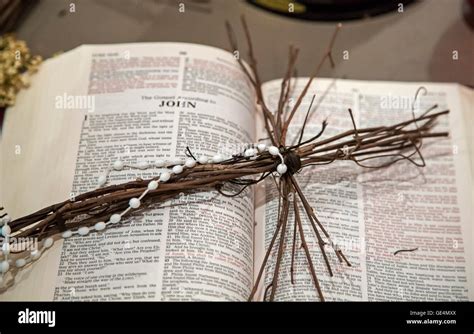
(6, 230)
(35, 254)
(250, 152)
(67, 234)
(4, 266)
(48, 242)
(217, 159)
(134, 203)
(160, 163)
(6, 248)
(261, 147)
(190, 163)
(115, 218)
(281, 169)
(153, 185)
(99, 226)
(275, 151)
(177, 167)
(102, 180)
(83, 230)
(165, 176)
(118, 165)
(20, 263)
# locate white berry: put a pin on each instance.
(152, 185)
(190, 163)
(84, 230)
(99, 226)
(20, 263)
(217, 158)
(134, 203)
(203, 160)
(281, 169)
(177, 169)
(67, 234)
(115, 218)
(118, 165)
(165, 176)
(4, 266)
(35, 254)
(273, 150)
(261, 147)
(6, 248)
(160, 163)
(48, 242)
(6, 230)
(250, 152)
(102, 180)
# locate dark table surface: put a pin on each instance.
(416, 45)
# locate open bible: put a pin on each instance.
(407, 231)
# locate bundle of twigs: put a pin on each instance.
(400, 141)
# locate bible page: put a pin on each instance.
(376, 215)
(136, 103)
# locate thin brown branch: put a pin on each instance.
(327, 55)
(283, 221)
(306, 250)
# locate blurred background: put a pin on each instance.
(384, 39)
